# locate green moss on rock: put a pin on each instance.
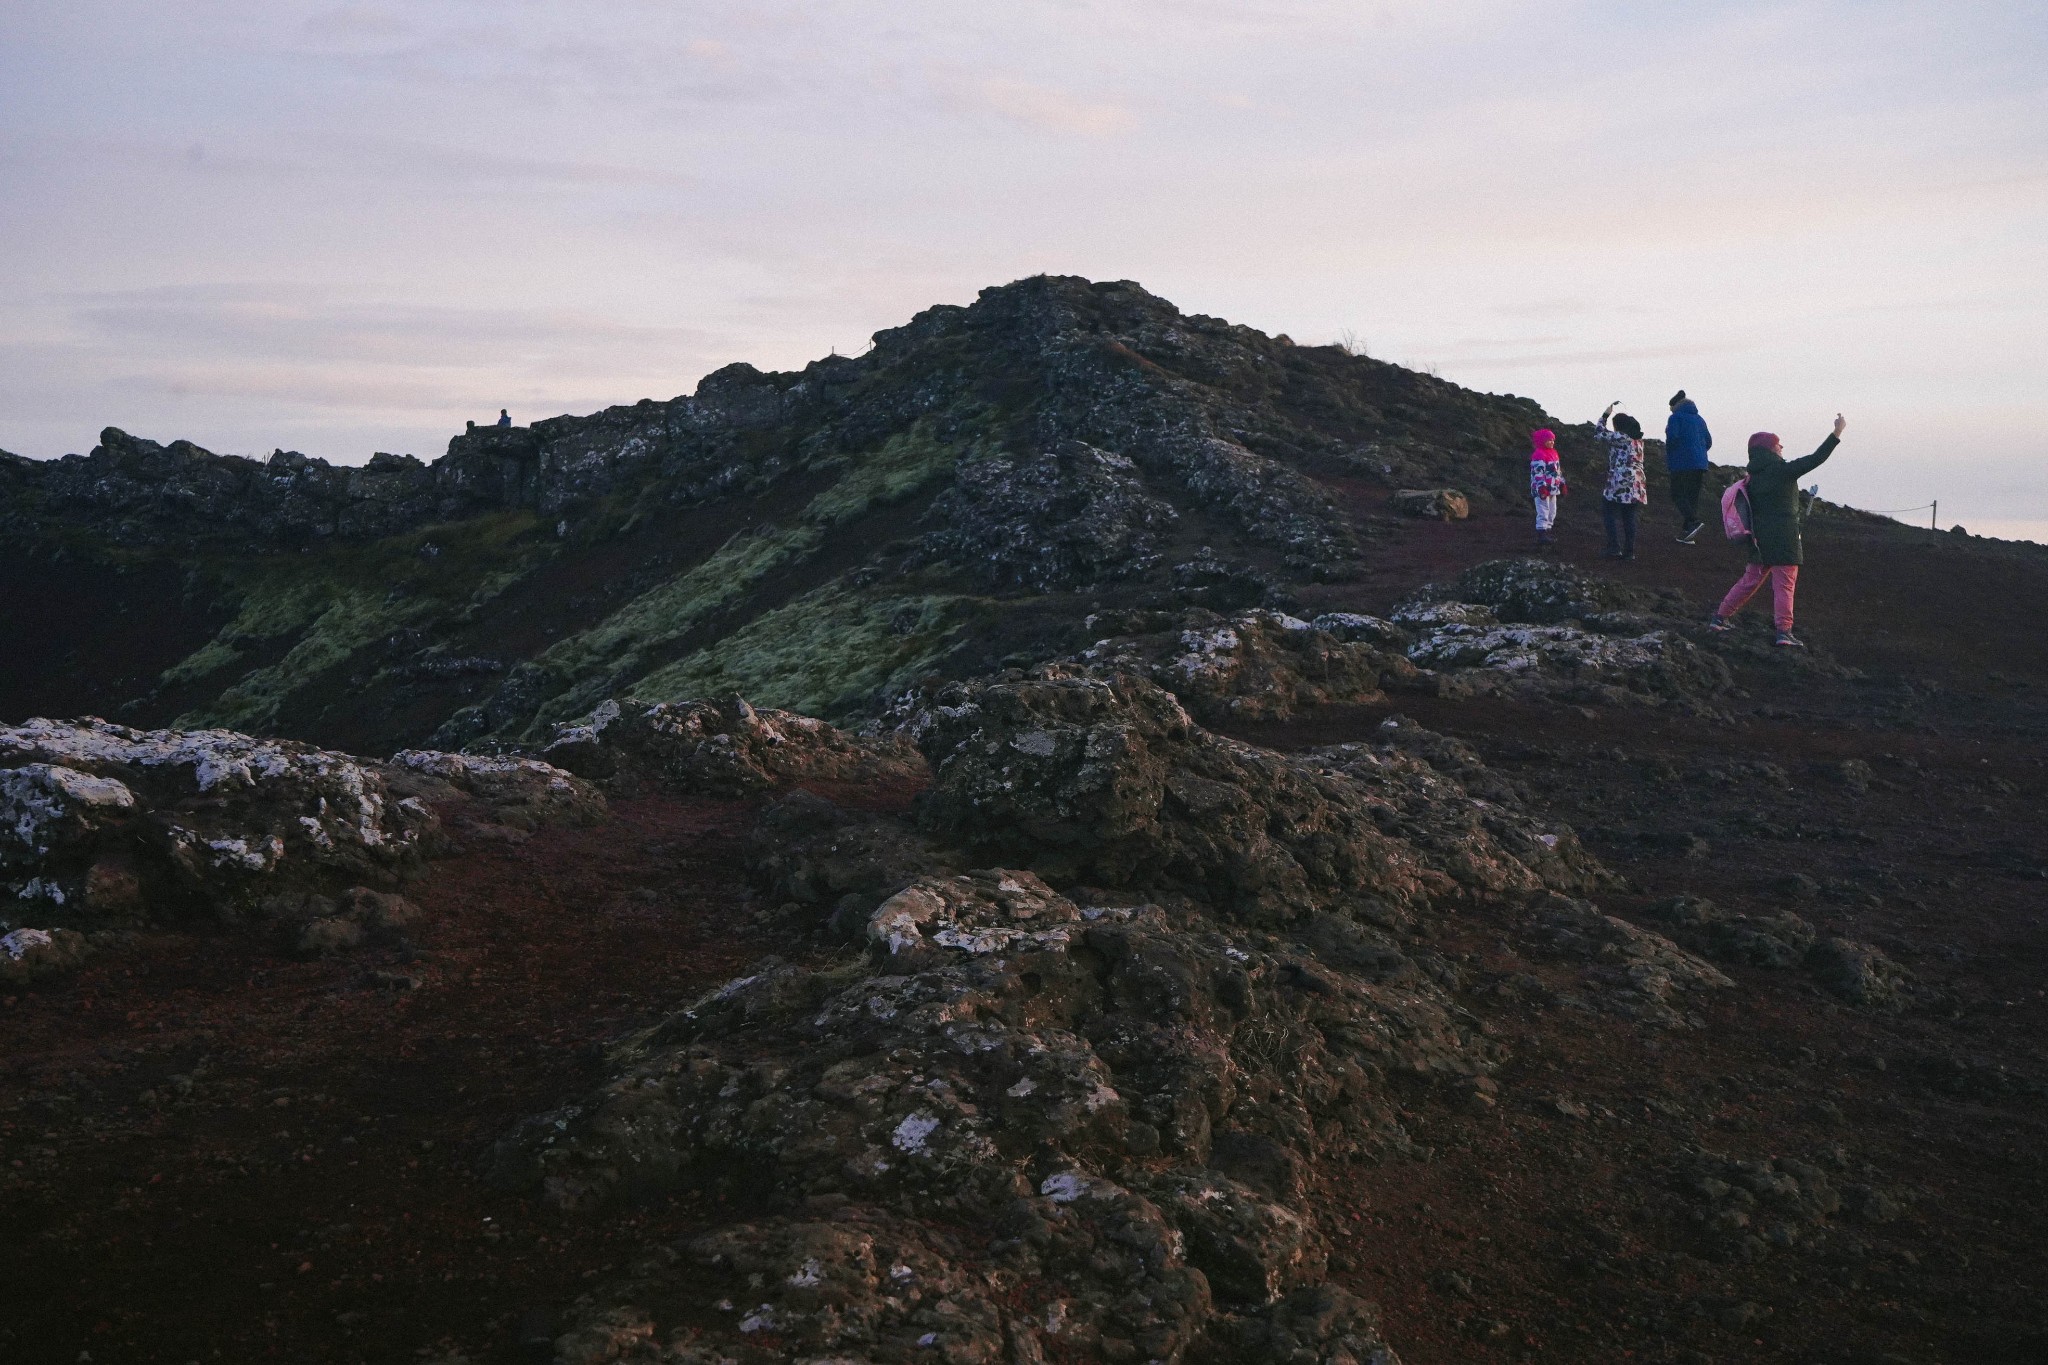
(826, 653)
(340, 598)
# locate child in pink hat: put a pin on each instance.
(1546, 482)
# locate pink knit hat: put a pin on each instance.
(1543, 444)
(1764, 440)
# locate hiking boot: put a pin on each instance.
(1686, 537)
(1719, 624)
(1787, 640)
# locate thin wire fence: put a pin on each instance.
(1933, 510)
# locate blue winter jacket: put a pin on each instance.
(1686, 438)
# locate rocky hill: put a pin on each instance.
(964, 492)
(1243, 925)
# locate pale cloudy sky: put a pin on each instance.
(345, 228)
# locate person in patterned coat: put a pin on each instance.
(1626, 493)
(1546, 482)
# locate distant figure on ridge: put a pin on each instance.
(1546, 482)
(1686, 443)
(504, 418)
(1627, 492)
(1775, 549)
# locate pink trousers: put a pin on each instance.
(1784, 582)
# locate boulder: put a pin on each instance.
(1049, 522)
(722, 748)
(521, 792)
(311, 925)
(1441, 504)
(1859, 973)
(1255, 665)
(1011, 1089)
(808, 851)
(1634, 972)
(28, 955)
(1536, 631)
(1022, 1121)
(1780, 940)
(102, 823)
(1356, 628)
(1110, 781)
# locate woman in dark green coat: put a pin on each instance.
(1775, 551)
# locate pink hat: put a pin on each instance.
(1764, 440)
(1543, 443)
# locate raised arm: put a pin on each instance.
(1819, 457)
(1602, 423)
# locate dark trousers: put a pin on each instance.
(1685, 495)
(1621, 525)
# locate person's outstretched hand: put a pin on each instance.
(1840, 423)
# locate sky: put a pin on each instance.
(347, 228)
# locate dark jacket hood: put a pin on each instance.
(1759, 458)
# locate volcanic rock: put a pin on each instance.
(521, 792)
(1256, 665)
(1779, 940)
(1536, 630)
(102, 823)
(807, 850)
(822, 539)
(1122, 1088)
(726, 747)
(29, 954)
(1859, 973)
(1049, 522)
(1445, 504)
(1634, 972)
(1109, 781)
(1009, 1060)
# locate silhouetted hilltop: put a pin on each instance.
(817, 538)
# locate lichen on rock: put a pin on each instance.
(1110, 781)
(1051, 521)
(1103, 1102)
(726, 747)
(104, 823)
(28, 955)
(1254, 665)
(523, 792)
(1537, 630)
(1075, 1083)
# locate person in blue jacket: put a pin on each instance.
(1686, 443)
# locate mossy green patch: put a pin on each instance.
(906, 463)
(340, 598)
(333, 603)
(591, 663)
(825, 653)
(674, 608)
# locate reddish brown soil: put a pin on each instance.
(1575, 1236)
(1574, 1233)
(313, 1194)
